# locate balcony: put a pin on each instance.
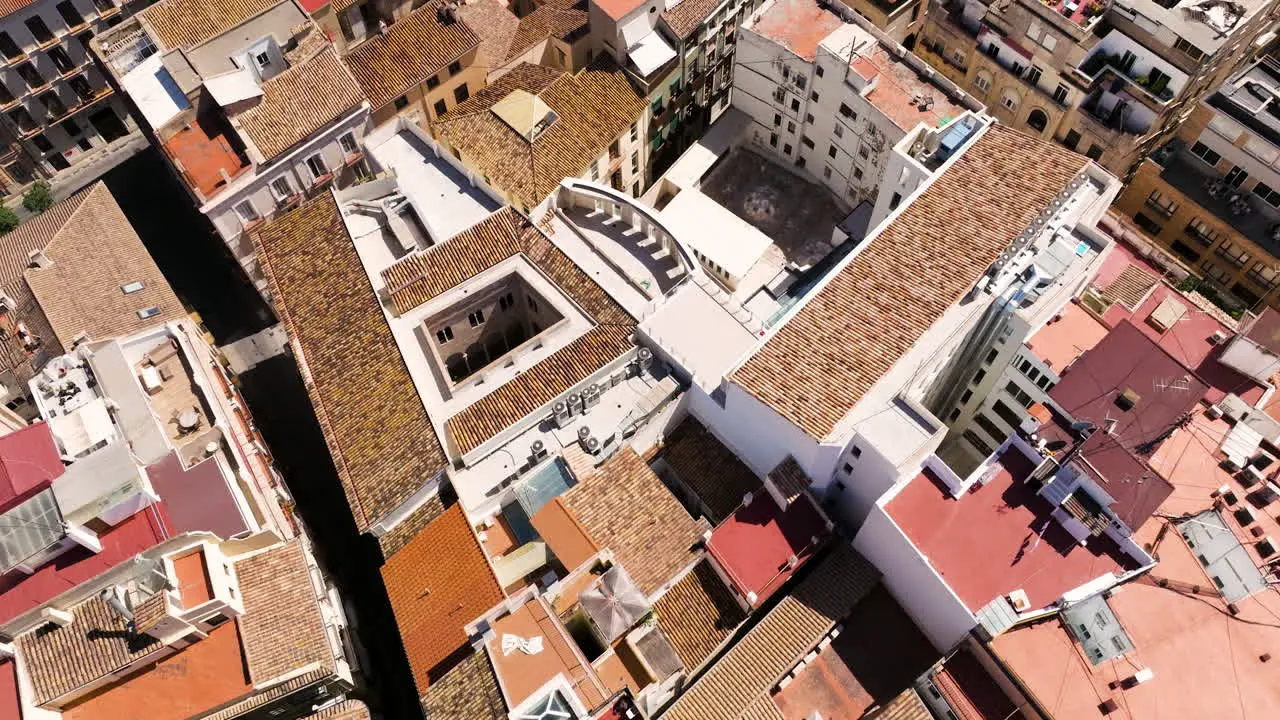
(1247, 213)
(1153, 88)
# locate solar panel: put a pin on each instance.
(30, 528)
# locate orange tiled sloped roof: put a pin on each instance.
(470, 690)
(281, 629)
(438, 583)
(184, 23)
(750, 669)
(413, 49)
(627, 509)
(697, 614)
(93, 254)
(495, 26)
(820, 363)
(594, 106)
(377, 429)
(560, 19)
(422, 276)
(300, 101)
(685, 17)
(708, 468)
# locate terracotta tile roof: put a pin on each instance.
(377, 429)
(627, 509)
(300, 101)
(413, 49)
(1131, 286)
(438, 583)
(906, 706)
(184, 23)
(708, 468)
(495, 26)
(345, 710)
(97, 643)
(564, 535)
(688, 15)
(697, 614)
(594, 106)
(275, 692)
(470, 690)
(422, 276)
(9, 7)
(15, 248)
(792, 628)
(819, 364)
(407, 529)
(94, 253)
(560, 19)
(539, 385)
(281, 628)
(790, 479)
(763, 708)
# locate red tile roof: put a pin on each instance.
(28, 462)
(438, 583)
(818, 365)
(985, 544)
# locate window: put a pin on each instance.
(42, 143)
(839, 130)
(1161, 203)
(954, 414)
(1269, 196)
(1191, 50)
(560, 58)
(826, 172)
(1205, 153)
(1060, 94)
(440, 108)
(846, 111)
(791, 127)
(131, 288)
(863, 152)
(433, 82)
(29, 76)
(444, 335)
(786, 149)
(992, 430)
(855, 451)
(808, 118)
(983, 448)
(38, 29)
(455, 67)
(818, 71)
(964, 399)
(506, 301)
(401, 102)
(461, 93)
(349, 145)
(777, 120)
(857, 172)
(1009, 100)
(9, 47)
(831, 151)
(982, 82)
(61, 60)
(317, 166)
(634, 132)
(149, 312)
(991, 356)
(635, 162)
(894, 201)
(1021, 396)
(476, 318)
(262, 60)
(1094, 152)
(993, 50)
(1033, 75)
(1071, 140)
(795, 105)
(247, 213)
(801, 81)
(1202, 232)
(805, 141)
(533, 304)
(814, 96)
(281, 188)
(1150, 226)
(773, 139)
(848, 469)
(979, 377)
(595, 170)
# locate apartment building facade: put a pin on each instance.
(833, 96)
(253, 109)
(1207, 196)
(59, 109)
(1108, 80)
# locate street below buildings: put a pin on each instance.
(211, 283)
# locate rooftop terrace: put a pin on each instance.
(1074, 332)
(1000, 537)
(208, 153)
(754, 545)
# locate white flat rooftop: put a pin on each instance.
(700, 334)
(444, 199)
(704, 225)
(154, 91)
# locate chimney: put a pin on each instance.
(38, 258)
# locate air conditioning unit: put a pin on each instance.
(591, 396)
(584, 432)
(1217, 337)
(562, 413)
(1214, 412)
(1019, 600)
(591, 445)
(575, 404)
(645, 357)
(537, 450)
